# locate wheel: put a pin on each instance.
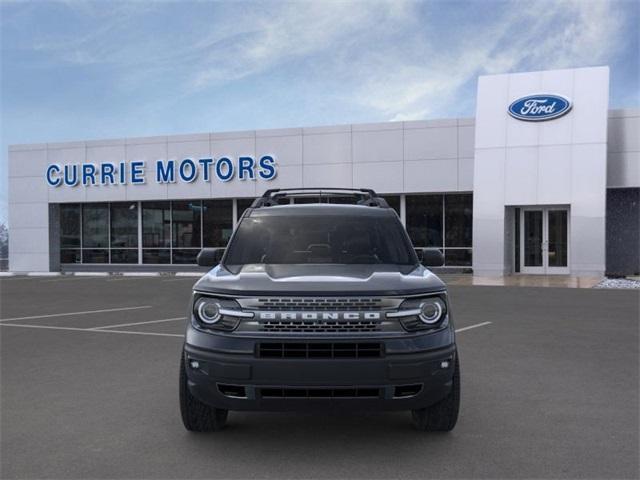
(442, 416)
(198, 416)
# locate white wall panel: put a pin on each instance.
(491, 101)
(27, 163)
(28, 189)
(287, 149)
(554, 175)
(333, 175)
(431, 176)
(383, 177)
(29, 240)
(29, 262)
(623, 169)
(521, 176)
(431, 143)
(327, 148)
(465, 174)
(29, 215)
(591, 105)
(377, 146)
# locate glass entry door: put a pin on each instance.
(544, 240)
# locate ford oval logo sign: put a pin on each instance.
(536, 108)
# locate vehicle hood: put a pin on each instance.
(261, 279)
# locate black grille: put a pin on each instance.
(320, 304)
(320, 326)
(320, 350)
(319, 392)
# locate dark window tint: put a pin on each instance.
(424, 220)
(70, 255)
(156, 255)
(156, 224)
(95, 226)
(186, 223)
(242, 205)
(95, 255)
(394, 202)
(124, 225)
(128, 255)
(458, 220)
(69, 226)
(184, 255)
(299, 239)
(217, 222)
(457, 257)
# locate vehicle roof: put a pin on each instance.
(320, 209)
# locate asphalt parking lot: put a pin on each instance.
(89, 371)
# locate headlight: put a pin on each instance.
(218, 313)
(422, 313)
(208, 311)
(431, 311)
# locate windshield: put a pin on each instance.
(314, 239)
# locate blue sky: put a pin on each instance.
(82, 70)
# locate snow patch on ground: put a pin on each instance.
(618, 283)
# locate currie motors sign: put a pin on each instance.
(188, 170)
(537, 108)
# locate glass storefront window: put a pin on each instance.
(186, 224)
(156, 224)
(424, 220)
(243, 204)
(457, 257)
(95, 255)
(156, 255)
(393, 201)
(126, 255)
(69, 226)
(124, 225)
(217, 222)
(95, 225)
(458, 220)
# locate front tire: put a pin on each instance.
(196, 415)
(442, 416)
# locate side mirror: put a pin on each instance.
(430, 257)
(210, 257)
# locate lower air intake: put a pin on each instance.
(317, 392)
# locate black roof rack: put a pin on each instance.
(365, 196)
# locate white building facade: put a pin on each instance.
(545, 179)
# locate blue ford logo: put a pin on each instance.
(536, 108)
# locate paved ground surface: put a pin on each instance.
(550, 390)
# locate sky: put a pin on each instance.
(74, 70)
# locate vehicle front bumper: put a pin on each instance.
(408, 361)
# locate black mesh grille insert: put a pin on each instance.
(320, 326)
(320, 392)
(320, 303)
(320, 350)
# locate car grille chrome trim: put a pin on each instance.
(336, 304)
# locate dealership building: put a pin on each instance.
(544, 180)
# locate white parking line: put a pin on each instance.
(473, 326)
(138, 323)
(69, 278)
(74, 329)
(86, 312)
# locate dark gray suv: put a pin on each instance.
(319, 301)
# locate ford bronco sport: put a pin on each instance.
(317, 305)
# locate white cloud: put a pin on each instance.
(531, 36)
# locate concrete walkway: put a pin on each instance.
(557, 281)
